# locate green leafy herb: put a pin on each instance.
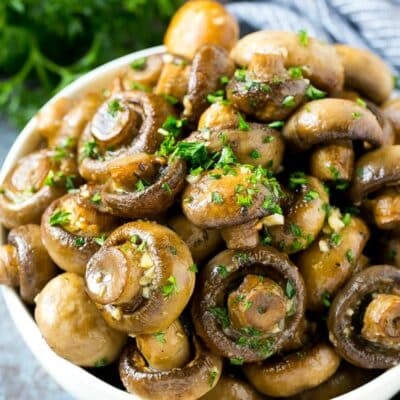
(296, 230)
(296, 72)
(101, 363)
(326, 299)
(268, 139)
(139, 64)
(241, 257)
(113, 107)
(314, 94)
(303, 37)
(289, 101)
(311, 195)
(100, 239)
(171, 130)
(356, 115)
(334, 172)
(361, 102)
(90, 149)
(160, 337)
(165, 186)
(223, 80)
(227, 157)
(195, 152)
(222, 270)
(217, 97)
(217, 198)
(134, 239)
(243, 125)
(276, 124)
(350, 255)
(96, 198)
(60, 217)
(255, 154)
(212, 378)
(60, 153)
(247, 305)
(221, 315)
(297, 179)
(290, 290)
(240, 74)
(193, 268)
(335, 239)
(346, 218)
(170, 287)
(236, 360)
(171, 99)
(79, 241)
(271, 206)
(139, 86)
(141, 184)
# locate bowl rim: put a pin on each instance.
(66, 374)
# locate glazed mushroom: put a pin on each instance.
(391, 109)
(165, 350)
(189, 382)
(233, 199)
(264, 295)
(375, 170)
(126, 123)
(252, 144)
(24, 262)
(232, 388)
(142, 277)
(366, 73)
(210, 63)
(34, 182)
(363, 318)
(143, 73)
(292, 374)
(322, 64)
(63, 129)
(198, 23)
(304, 215)
(321, 121)
(72, 326)
(265, 90)
(202, 242)
(142, 185)
(329, 262)
(219, 115)
(174, 79)
(72, 231)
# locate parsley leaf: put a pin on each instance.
(60, 217)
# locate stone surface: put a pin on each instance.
(21, 377)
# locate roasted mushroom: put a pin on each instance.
(220, 115)
(202, 242)
(232, 198)
(232, 388)
(125, 124)
(265, 90)
(265, 304)
(24, 262)
(36, 180)
(391, 109)
(322, 64)
(292, 374)
(304, 215)
(142, 277)
(188, 382)
(141, 185)
(252, 144)
(72, 326)
(210, 63)
(366, 73)
(329, 262)
(165, 350)
(73, 230)
(198, 23)
(364, 318)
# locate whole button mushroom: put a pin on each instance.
(72, 325)
(35, 181)
(24, 262)
(197, 23)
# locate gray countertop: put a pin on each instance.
(21, 377)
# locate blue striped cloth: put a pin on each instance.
(372, 24)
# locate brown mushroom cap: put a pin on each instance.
(72, 244)
(219, 116)
(345, 332)
(209, 64)
(391, 109)
(198, 23)
(259, 145)
(72, 326)
(366, 72)
(295, 372)
(125, 124)
(221, 274)
(202, 243)
(323, 65)
(232, 388)
(26, 191)
(137, 250)
(160, 193)
(375, 170)
(189, 382)
(24, 262)
(327, 271)
(321, 121)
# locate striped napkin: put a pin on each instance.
(371, 24)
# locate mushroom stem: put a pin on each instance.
(242, 236)
(9, 265)
(381, 323)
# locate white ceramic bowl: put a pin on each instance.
(79, 383)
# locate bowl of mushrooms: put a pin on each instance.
(212, 219)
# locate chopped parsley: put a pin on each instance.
(100, 239)
(243, 125)
(223, 80)
(217, 198)
(139, 86)
(96, 198)
(311, 195)
(356, 115)
(272, 206)
(217, 97)
(346, 219)
(240, 74)
(141, 185)
(165, 186)
(171, 99)
(361, 102)
(296, 72)
(303, 37)
(171, 130)
(241, 257)
(113, 107)
(314, 94)
(60, 217)
(335, 239)
(295, 230)
(334, 172)
(350, 255)
(290, 290)
(195, 152)
(276, 124)
(236, 360)
(297, 179)
(289, 101)
(160, 337)
(193, 268)
(101, 363)
(326, 298)
(221, 315)
(139, 64)
(170, 287)
(212, 378)
(255, 154)
(247, 305)
(90, 149)
(222, 270)
(60, 153)
(268, 139)
(79, 241)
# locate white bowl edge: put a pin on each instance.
(75, 380)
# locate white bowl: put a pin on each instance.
(79, 383)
